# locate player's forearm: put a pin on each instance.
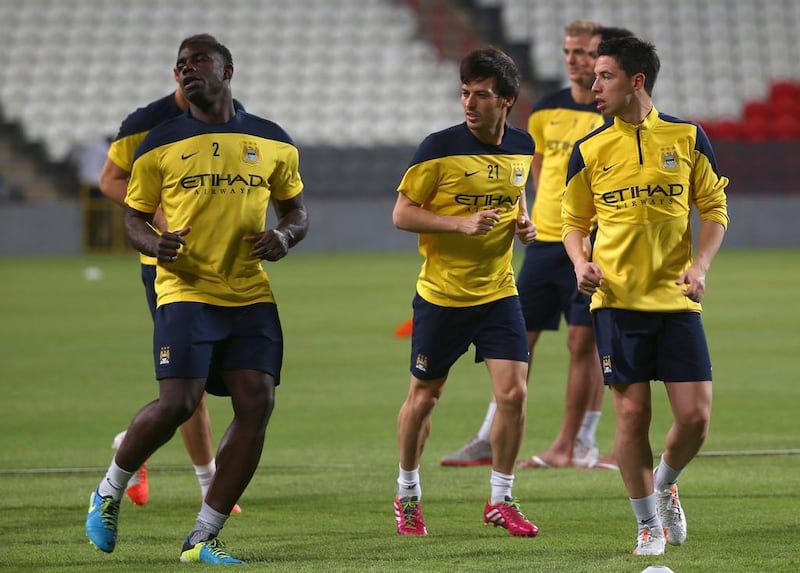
(523, 204)
(140, 232)
(536, 169)
(294, 225)
(573, 244)
(115, 190)
(113, 182)
(415, 219)
(709, 240)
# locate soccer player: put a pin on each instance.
(464, 194)
(196, 431)
(639, 178)
(546, 280)
(213, 171)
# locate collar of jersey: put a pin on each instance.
(648, 123)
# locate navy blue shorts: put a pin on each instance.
(548, 289)
(149, 282)
(641, 346)
(440, 335)
(193, 339)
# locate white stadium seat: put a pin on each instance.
(356, 72)
(73, 69)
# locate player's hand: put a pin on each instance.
(526, 230)
(169, 244)
(270, 245)
(695, 278)
(481, 222)
(589, 277)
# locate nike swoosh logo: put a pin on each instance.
(607, 167)
(188, 155)
(470, 173)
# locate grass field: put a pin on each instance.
(76, 366)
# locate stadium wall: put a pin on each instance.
(365, 224)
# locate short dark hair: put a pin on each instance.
(491, 62)
(634, 56)
(211, 42)
(609, 32)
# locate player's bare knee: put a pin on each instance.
(178, 410)
(512, 398)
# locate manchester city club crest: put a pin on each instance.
(606, 364)
(250, 152)
(669, 159)
(517, 173)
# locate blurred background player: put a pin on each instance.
(113, 181)
(645, 285)
(466, 293)
(88, 158)
(546, 280)
(215, 308)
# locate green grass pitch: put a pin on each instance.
(76, 366)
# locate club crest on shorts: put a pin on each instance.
(606, 364)
(163, 356)
(421, 363)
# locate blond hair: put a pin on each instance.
(581, 28)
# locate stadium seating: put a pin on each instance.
(716, 55)
(357, 73)
(775, 118)
(332, 72)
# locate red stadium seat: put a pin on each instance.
(726, 130)
(708, 125)
(785, 89)
(756, 129)
(756, 110)
(785, 128)
(785, 104)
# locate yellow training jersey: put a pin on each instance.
(452, 173)
(641, 182)
(556, 122)
(133, 131)
(217, 179)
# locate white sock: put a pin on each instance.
(115, 482)
(501, 486)
(665, 476)
(588, 429)
(208, 525)
(408, 483)
(645, 511)
(205, 475)
(486, 428)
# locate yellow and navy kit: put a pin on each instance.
(452, 173)
(556, 122)
(133, 130)
(217, 179)
(641, 182)
(136, 126)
